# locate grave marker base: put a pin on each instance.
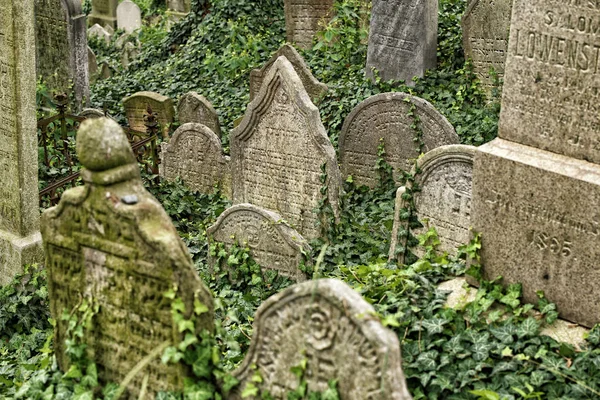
(17, 251)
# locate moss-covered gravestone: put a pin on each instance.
(104, 12)
(304, 18)
(111, 242)
(136, 106)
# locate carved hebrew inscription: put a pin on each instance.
(303, 19)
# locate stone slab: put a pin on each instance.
(104, 13)
(398, 243)
(129, 16)
(180, 6)
(194, 107)
(136, 107)
(99, 32)
(304, 18)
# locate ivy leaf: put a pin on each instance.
(528, 328)
(427, 360)
(504, 333)
(249, 390)
(485, 394)
(434, 325)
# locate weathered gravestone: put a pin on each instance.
(304, 18)
(336, 331)
(100, 33)
(314, 88)
(61, 43)
(20, 240)
(387, 117)
(536, 188)
(92, 65)
(196, 108)
(111, 242)
(129, 53)
(129, 16)
(194, 154)
(485, 27)
(273, 244)
(178, 9)
(104, 13)
(402, 38)
(278, 152)
(91, 113)
(399, 229)
(136, 106)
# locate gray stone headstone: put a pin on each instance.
(278, 150)
(402, 38)
(92, 65)
(304, 18)
(387, 116)
(178, 9)
(104, 12)
(314, 88)
(136, 107)
(61, 44)
(196, 108)
(105, 71)
(128, 54)
(335, 330)
(129, 16)
(91, 113)
(272, 243)
(20, 240)
(399, 229)
(99, 32)
(194, 154)
(112, 243)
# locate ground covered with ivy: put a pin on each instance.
(487, 349)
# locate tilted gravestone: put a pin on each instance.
(20, 240)
(129, 16)
(196, 108)
(136, 106)
(536, 188)
(304, 18)
(402, 38)
(129, 52)
(272, 243)
(92, 65)
(112, 243)
(194, 154)
(104, 13)
(178, 9)
(485, 27)
(278, 152)
(61, 43)
(100, 33)
(314, 88)
(388, 116)
(335, 331)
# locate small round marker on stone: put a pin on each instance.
(129, 199)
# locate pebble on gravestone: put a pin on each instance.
(336, 332)
(314, 88)
(99, 32)
(273, 244)
(128, 54)
(129, 16)
(402, 39)
(196, 108)
(387, 116)
(304, 18)
(20, 240)
(278, 152)
(195, 154)
(92, 65)
(104, 12)
(485, 27)
(136, 107)
(112, 243)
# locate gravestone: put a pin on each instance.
(278, 150)
(304, 18)
(273, 244)
(92, 65)
(128, 54)
(105, 71)
(196, 108)
(91, 113)
(314, 88)
(112, 243)
(194, 154)
(136, 107)
(333, 329)
(485, 26)
(20, 240)
(129, 16)
(61, 44)
(177, 9)
(104, 13)
(402, 39)
(399, 229)
(387, 116)
(536, 188)
(99, 32)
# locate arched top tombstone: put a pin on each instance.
(136, 107)
(129, 16)
(336, 331)
(194, 107)
(304, 18)
(387, 116)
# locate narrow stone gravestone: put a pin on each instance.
(105, 71)
(314, 88)
(104, 13)
(61, 43)
(136, 107)
(92, 65)
(178, 9)
(100, 33)
(196, 108)
(20, 240)
(336, 331)
(485, 27)
(399, 229)
(402, 38)
(128, 54)
(129, 16)
(273, 244)
(304, 18)
(387, 116)
(194, 154)
(536, 188)
(278, 152)
(111, 242)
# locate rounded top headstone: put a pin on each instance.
(102, 145)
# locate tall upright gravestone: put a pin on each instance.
(104, 13)
(20, 240)
(61, 42)
(278, 152)
(536, 188)
(304, 18)
(112, 243)
(402, 38)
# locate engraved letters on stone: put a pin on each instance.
(304, 18)
(136, 107)
(196, 108)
